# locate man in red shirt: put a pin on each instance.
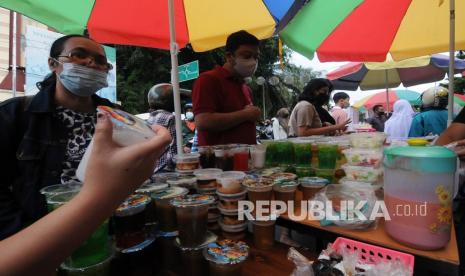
(223, 107)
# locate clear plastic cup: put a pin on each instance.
(303, 152)
(224, 158)
(329, 174)
(285, 190)
(259, 189)
(129, 221)
(258, 156)
(231, 201)
(192, 218)
(52, 190)
(186, 181)
(263, 234)
(207, 157)
(226, 257)
(166, 213)
(230, 182)
(241, 158)
(206, 178)
(93, 251)
(148, 188)
(311, 185)
(187, 162)
(102, 268)
(327, 155)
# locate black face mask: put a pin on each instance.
(322, 99)
(380, 113)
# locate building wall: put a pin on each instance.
(5, 52)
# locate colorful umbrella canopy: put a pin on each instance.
(203, 23)
(367, 30)
(380, 98)
(376, 75)
(459, 99)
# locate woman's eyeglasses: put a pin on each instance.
(79, 54)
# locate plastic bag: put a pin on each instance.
(351, 206)
(392, 268)
(303, 267)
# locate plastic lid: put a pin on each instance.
(231, 175)
(182, 180)
(417, 142)
(208, 172)
(313, 181)
(61, 188)
(150, 187)
(132, 205)
(184, 156)
(258, 182)
(227, 252)
(279, 176)
(236, 196)
(163, 177)
(283, 183)
(171, 192)
(193, 200)
(434, 159)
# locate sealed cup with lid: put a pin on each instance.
(166, 213)
(129, 219)
(192, 218)
(148, 188)
(259, 189)
(52, 190)
(311, 186)
(230, 182)
(284, 190)
(226, 257)
(263, 233)
(186, 162)
(206, 178)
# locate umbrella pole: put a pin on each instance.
(174, 48)
(13, 57)
(387, 90)
(451, 60)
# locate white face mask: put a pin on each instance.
(246, 67)
(81, 80)
(189, 116)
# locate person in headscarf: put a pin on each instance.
(397, 127)
(280, 124)
(309, 117)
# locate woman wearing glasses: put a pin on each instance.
(44, 137)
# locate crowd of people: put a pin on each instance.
(45, 136)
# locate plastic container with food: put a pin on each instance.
(226, 257)
(233, 232)
(192, 218)
(327, 155)
(311, 185)
(284, 190)
(207, 157)
(166, 213)
(52, 190)
(259, 189)
(257, 155)
(263, 234)
(418, 142)
(371, 140)
(186, 181)
(207, 191)
(206, 178)
(231, 202)
(164, 177)
(224, 158)
(187, 162)
(364, 157)
(148, 188)
(364, 174)
(304, 171)
(230, 182)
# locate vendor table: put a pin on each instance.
(438, 262)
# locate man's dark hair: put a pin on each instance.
(340, 96)
(312, 86)
(376, 107)
(235, 40)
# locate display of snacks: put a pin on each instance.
(224, 158)
(372, 140)
(303, 153)
(129, 221)
(186, 162)
(364, 157)
(186, 181)
(192, 218)
(166, 213)
(226, 257)
(311, 185)
(206, 178)
(304, 171)
(364, 174)
(207, 157)
(230, 182)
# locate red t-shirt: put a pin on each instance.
(218, 91)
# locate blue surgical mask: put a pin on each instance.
(81, 80)
(189, 116)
